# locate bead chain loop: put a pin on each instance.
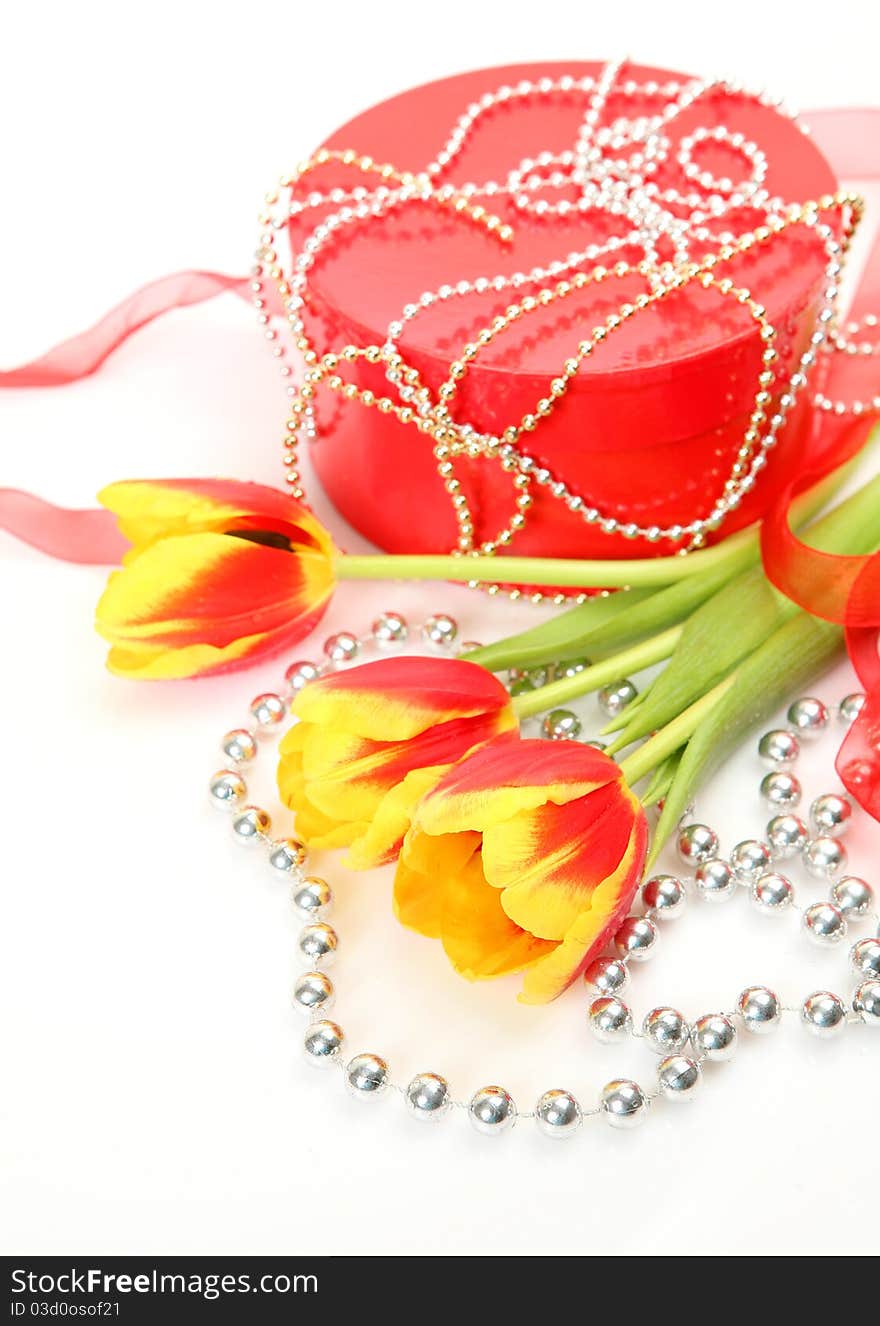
(684, 1047)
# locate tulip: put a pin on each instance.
(219, 572)
(372, 740)
(524, 857)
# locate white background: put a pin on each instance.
(155, 1100)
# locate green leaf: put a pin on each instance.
(715, 638)
(744, 612)
(783, 664)
(662, 778)
(561, 637)
(601, 626)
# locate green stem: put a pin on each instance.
(611, 669)
(570, 572)
(668, 740)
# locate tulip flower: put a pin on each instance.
(218, 572)
(371, 741)
(524, 857)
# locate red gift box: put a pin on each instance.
(651, 424)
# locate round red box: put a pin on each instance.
(649, 429)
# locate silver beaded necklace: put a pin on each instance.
(685, 1048)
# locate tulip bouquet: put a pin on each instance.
(519, 855)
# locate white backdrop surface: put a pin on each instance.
(155, 1100)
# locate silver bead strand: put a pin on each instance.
(683, 1048)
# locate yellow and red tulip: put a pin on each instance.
(524, 857)
(370, 742)
(219, 573)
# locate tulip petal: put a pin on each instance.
(549, 860)
(396, 699)
(349, 775)
(591, 931)
(322, 833)
(150, 509)
(479, 940)
(505, 778)
(418, 901)
(138, 661)
(381, 841)
(212, 589)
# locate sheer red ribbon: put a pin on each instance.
(839, 589)
(92, 535)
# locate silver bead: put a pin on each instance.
(823, 1013)
(759, 1009)
(824, 857)
(866, 1002)
(313, 990)
(715, 881)
(865, 957)
(750, 859)
(268, 711)
(390, 629)
(467, 646)
(561, 725)
(428, 1096)
(636, 938)
(714, 1037)
(492, 1111)
(312, 899)
(678, 1077)
(323, 1043)
(558, 1114)
(610, 1019)
(665, 1030)
(342, 647)
(366, 1075)
(251, 825)
(614, 699)
(440, 630)
(623, 1103)
(571, 668)
(772, 893)
(781, 790)
(300, 674)
(287, 856)
(520, 687)
(808, 717)
(853, 896)
(318, 942)
(830, 815)
(227, 789)
(850, 707)
(824, 923)
(665, 896)
(697, 843)
(779, 748)
(608, 975)
(787, 835)
(239, 745)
